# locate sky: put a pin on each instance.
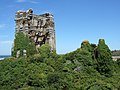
(75, 21)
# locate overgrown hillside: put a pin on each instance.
(90, 67)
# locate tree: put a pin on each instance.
(21, 43)
(86, 45)
(104, 58)
(44, 51)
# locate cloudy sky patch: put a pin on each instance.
(29, 1)
(3, 36)
(6, 42)
(2, 25)
(20, 0)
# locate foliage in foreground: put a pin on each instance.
(88, 68)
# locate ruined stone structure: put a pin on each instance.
(39, 28)
(115, 58)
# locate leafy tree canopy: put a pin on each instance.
(46, 70)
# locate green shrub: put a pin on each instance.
(104, 59)
(73, 71)
(22, 42)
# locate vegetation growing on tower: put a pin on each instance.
(23, 46)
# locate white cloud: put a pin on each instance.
(6, 42)
(34, 2)
(3, 36)
(29, 1)
(20, 0)
(2, 25)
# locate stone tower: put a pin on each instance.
(39, 28)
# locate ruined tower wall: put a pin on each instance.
(39, 28)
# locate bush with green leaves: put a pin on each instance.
(104, 58)
(21, 43)
(76, 70)
(86, 45)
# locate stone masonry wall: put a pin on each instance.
(39, 28)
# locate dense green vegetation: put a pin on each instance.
(22, 42)
(87, 68)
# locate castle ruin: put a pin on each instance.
(39, 28)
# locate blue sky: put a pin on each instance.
(75, 21)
